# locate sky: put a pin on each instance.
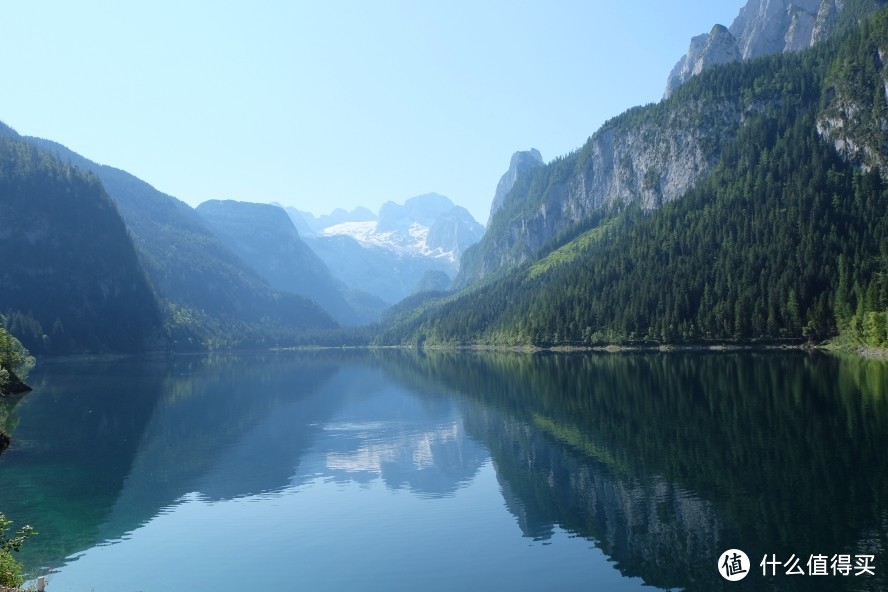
(334, 104)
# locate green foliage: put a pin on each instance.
(13, 354)
(15, 361)
(854, 13)
(782, 240)
(569, 253)
(210, 299)
(11, 573)
(70, 275)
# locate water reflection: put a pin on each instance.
(663, 461)
(666, 460)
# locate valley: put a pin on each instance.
(664, 345)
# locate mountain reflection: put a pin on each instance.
(409, 435)
(661, 460)
(222, 427)
(246, 431)
(666, 460)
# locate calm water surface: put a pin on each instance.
(442, 471)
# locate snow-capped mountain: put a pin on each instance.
(397, 246)
(427, 225)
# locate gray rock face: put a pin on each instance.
(521, 162)
(855, 118)
(763, 27)
(380, 272)
(646, 161)
(422, 209)
(718, 47)
(453, 232)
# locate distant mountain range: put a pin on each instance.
(210, 296)
(390, 254)
(227, 274)
(264, 237)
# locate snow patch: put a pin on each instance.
(412, 241)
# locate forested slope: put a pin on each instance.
(786, 236)
(70, 280)
(210, 297)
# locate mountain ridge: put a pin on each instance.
(765, 27)
(389, 254)
(412, 228)
(648, 155)
(211, 298)
(520, 163)
(782, 236)
(56, 299)
(265, 238)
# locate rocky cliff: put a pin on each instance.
(718, 47)
(765, 27)
(521, 162)
(647, 156)
(652, 155)
(855, 118)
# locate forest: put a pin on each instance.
(70, 277)
(786, 240)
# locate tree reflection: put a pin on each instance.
(665, 460)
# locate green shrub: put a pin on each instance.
(10, 571)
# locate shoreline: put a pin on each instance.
(870, 353)
(856, 349)
(618, 348)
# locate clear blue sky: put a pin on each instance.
(334, 104)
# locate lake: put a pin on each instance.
(404, 470)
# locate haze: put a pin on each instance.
(323, 105)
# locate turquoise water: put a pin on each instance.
(442, 471)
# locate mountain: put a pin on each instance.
(751, 205)
(716, 48)
(388, 255)
(71, 279)
(211, 298)
(433, 281)
(316, 225)
(766, 27)
(520, 163)
(428, 225)
(266, 239)
(647, 156)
